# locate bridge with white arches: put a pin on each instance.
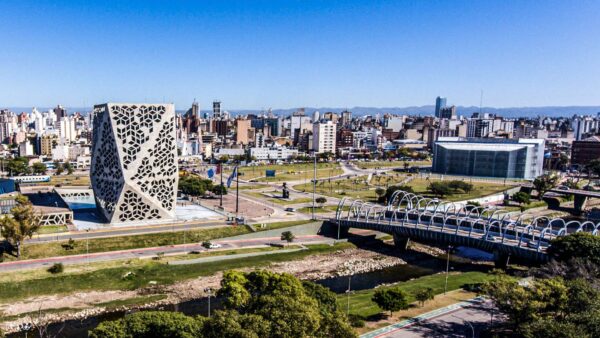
(488, 228)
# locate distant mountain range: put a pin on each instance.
(550, 111)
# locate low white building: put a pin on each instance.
(275, 153)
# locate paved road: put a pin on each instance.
(148, 252)
(453, 323)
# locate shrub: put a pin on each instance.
(56, 268)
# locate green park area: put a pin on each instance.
(130, 276)
(360, 188)
(391, 164)
(81, 246)
(362, 305)
(287, 172)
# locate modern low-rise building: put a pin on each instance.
(584, 151)
(489, 157)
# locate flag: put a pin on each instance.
(219, 168)
(211, 172)
(232, 177)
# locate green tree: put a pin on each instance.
(58, 168)
(593, 167)
(521, 197)
(287, 236)
(219, 189)
(39, 168)
(68, 167)
(577, 245)
(380, 192)
(544, 183)
(424, 295)
(231, 324)
(18, 166)
(233, 289)
(391, 190)
(321, 200)
(440, 189)
(393, 299)
(22, 222)
(150, 324)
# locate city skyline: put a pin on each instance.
(293, 54)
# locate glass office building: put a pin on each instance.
(488, 157)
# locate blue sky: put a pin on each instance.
(283, 54)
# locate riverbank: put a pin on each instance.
(314, 263)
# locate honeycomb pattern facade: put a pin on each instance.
(134, 161)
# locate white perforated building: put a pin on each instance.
(134, 161)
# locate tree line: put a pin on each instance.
(255, 304)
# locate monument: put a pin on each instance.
(134, 161)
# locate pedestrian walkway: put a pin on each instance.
(426, 316)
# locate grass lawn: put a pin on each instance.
(279, 225)
(140, 276)
(361, 304)
(52, 229)
(83, 180)
(253, 186)
(327, 208)
(279, 201)
(387, 164)
(132, 301)
(420, 185)
(41, 250)
(352, 187)
(285, 170)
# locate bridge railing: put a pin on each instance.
(482, 222)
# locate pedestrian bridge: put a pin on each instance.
(488, 228)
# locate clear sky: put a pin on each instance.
(283, 54)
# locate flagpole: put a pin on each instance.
(221, 168)
(237, 190)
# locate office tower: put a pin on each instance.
(440, 102)
(324, 137)
(134, 161)
(217, 109)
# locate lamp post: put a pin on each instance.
(87, 245)
(447, 269)
(209, 291)
(348, 292)
(469, 324)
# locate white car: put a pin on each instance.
(215, 246)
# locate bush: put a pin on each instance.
(56, 268)
(356, 321)
(70, 245)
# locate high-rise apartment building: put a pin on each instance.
(242, 126)
(217, 109)
(324, 136)
(448, 113)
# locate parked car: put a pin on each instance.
(290, 209)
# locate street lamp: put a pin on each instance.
(447, 268)
(87, 245)
(468, 323)
(209, 291)
(25, 327)
(348, 293)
